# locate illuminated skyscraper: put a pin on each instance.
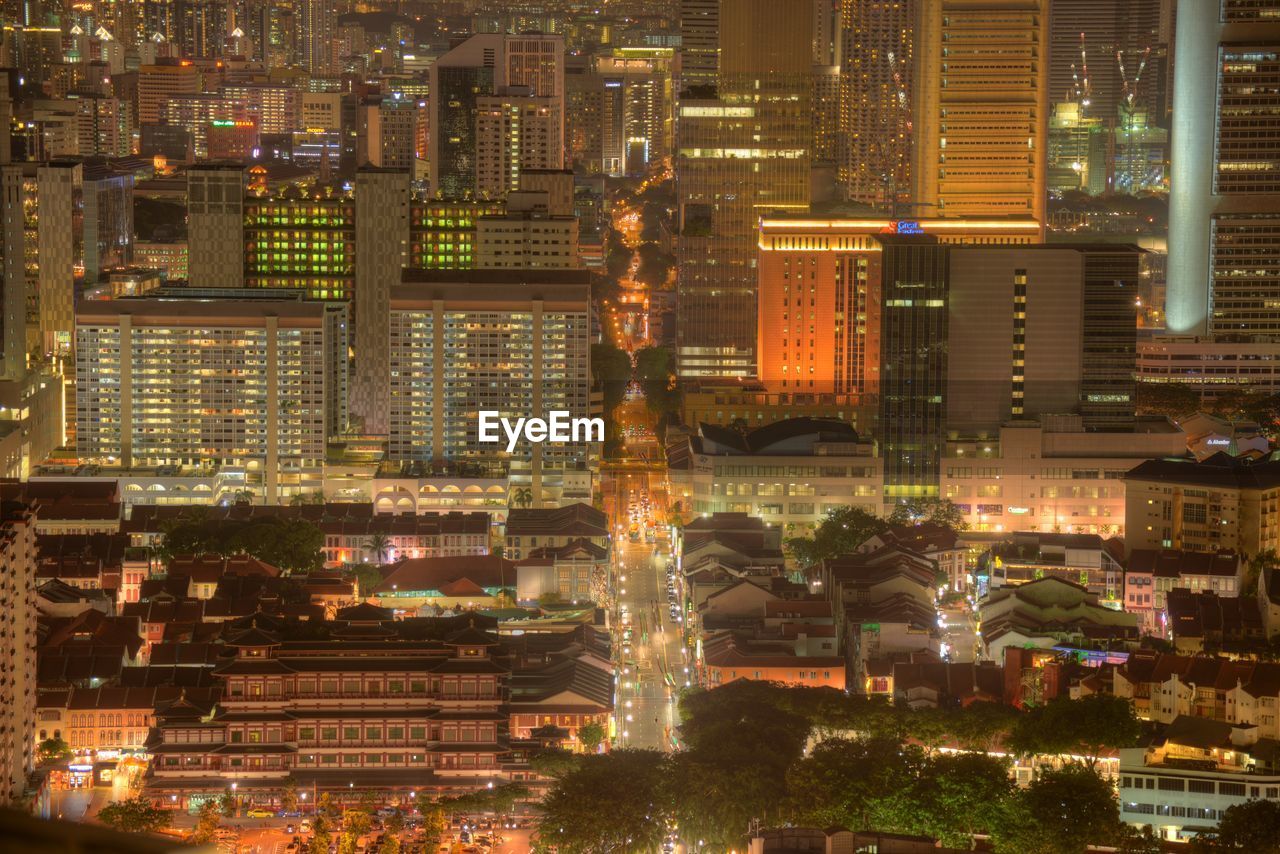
(317, 22)
(876, 71)
(699, 42)
(980, 108)
(739, 155)
(820, 294)
(298, 241)
(1224, 202)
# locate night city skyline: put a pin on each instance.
(688, 427)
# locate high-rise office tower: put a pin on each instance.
(107, 209)
(17, 644)
(980, 107)
(820, 288)
(382, 235)
(635, 102)
(158, 83)
(486, 64)
(825, 101)
(741, 154)
(699, 43)
(826, 32)
(13, 300)
(1109, 344)
(1224, 201)
(913, 364)
(1041, 330)
(876, 74)
(1108, 83)
(215, 225)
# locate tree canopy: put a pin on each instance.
(1252, 826)
(841, 531)
(1063, 811)
(134, 815)
(290, 544)
(869, 765)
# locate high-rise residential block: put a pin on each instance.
(980, 108)
(526, 237)
(512, 342)
(317, 24)
(232, 379)
(515, 132)
(877, 68)
(382, 235)
(17, 644)
(215, 225)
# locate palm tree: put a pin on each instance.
(521, 496)
(378, 545)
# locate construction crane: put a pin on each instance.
(1128, 108)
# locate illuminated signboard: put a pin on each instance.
(907, 226)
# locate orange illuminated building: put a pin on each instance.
(819, 292)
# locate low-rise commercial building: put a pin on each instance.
(1051, 475)
(1183, 782)
(1216, 504)
(789, 473)
(1051, 611)
(1084, 559)
(537, 528)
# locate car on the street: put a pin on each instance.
(259, 812)
(305, 827)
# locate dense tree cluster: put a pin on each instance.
(844, 529)
(655, 371)
(1179, 400)
(757, 751)
(135, 815)
(289, 544)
